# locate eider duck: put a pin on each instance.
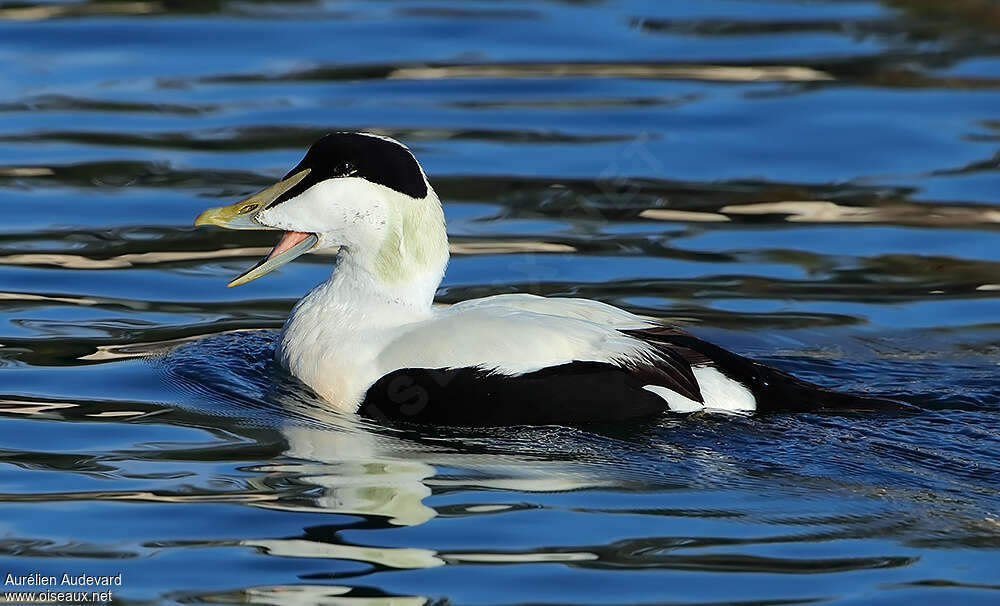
(370, 340)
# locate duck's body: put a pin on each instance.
(370, 340)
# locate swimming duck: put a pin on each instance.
(370, 340)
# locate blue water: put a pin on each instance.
(814, 184)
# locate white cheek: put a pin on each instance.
(342, 211)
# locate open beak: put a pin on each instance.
(243, 215)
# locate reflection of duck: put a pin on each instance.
(356, 470)
(369, 338)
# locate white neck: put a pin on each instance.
(361, 282)
(395, 275)
(403, 267)
(373, 290)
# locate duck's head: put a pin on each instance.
(354, 190)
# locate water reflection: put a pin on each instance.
(353, 476)
(321, 595)
(55, 11)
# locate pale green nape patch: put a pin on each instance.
(416, 237)
(389, 258)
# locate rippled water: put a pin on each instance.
(816, 184)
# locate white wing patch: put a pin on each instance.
(512, 338)
(719, 391)
(675, 401)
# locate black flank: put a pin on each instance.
(568, 394)
(355, 155)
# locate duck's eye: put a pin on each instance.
(345, 169)
(249, 208)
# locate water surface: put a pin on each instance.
(814, 184)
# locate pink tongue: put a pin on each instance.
(287, 241)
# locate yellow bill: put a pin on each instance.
(243, 215)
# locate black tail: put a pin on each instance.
(774, 390)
